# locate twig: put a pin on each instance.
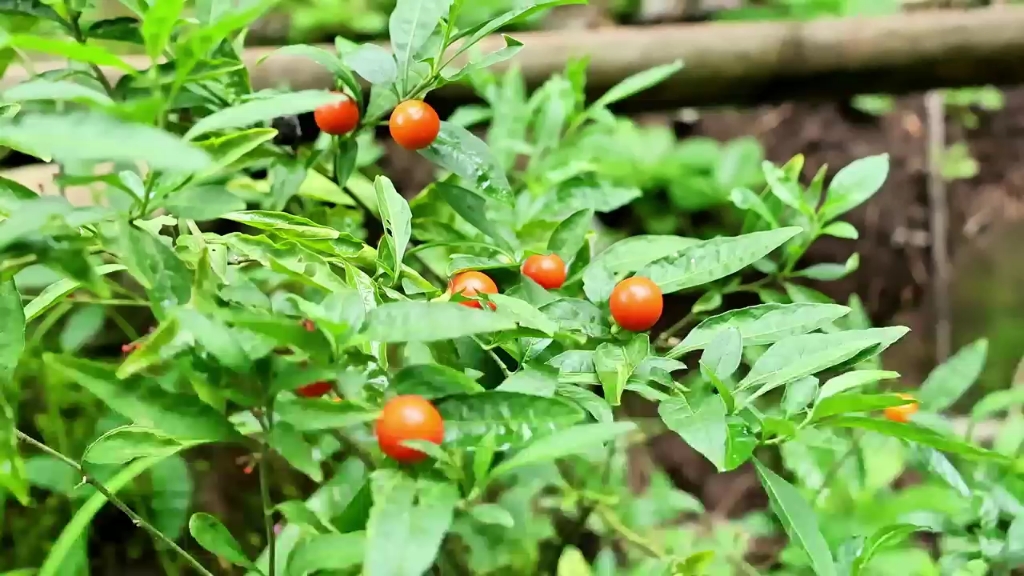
(136, 519)
(267, 423)
(934, 105)
(612, 520)
(76, 31)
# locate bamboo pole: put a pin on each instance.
(738, 63)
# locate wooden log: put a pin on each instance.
(737, 63)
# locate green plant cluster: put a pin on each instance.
(259, 288)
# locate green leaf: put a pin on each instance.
(627, 255)
(55, 292)
(597, 406)
(397, 219)
(799, 394)
(827, 272)
(512, 418)
(126, 443)
(325, 58)
(181, 416)
(156, 267)
(82, 326)
(747, 199)
(12, 345)
(724, 353)
(161, 345)
(854, 379)
(203, 203)
(916, 433)
(882, 538)
(289, 443)
(713, 259)
(397, 322)
(121, 29)
(109, 139)
(473, 209)
(87, 53)
(29, 8)
(314, 414)
(475, 33)
(215, 337)
(853, 185)
(997, 401)
(523, 313)
(841, 229)
(171, 496)
(723, 388)
(848, 403)
(212, 535)
(570, 234)
(460, 152)
(568, 442)
(705, 429)
(283, 224)
(58, 90)
(158, 24)
(263, 110)
(637, 83)
(799, 356)
(408, 515)
(492, 514)
(786, 189)
(798, 518)
(951, 379)
(433, 381)
(535, 381)
(327, 552)
(373, 63)
(614, 365)
(479, 62)
(410, 26)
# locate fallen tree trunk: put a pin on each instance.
(730, 63)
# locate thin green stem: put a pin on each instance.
(103, 301)
(136, 519)
(268, 505)
(671, 330)
(76, 31)
(615, 523)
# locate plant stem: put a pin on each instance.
(268, 506)
(76, 31)
(613, 522)
(136, 519)
(671, 330)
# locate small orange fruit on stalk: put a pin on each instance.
(414, 124)
(338, 118)
(547, 270)
(904, 412)
(404, 418)
(636, 303)
(470, 284)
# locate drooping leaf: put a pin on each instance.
(59, 136)
(951, 379)
(375, 64)
(853, 379)
(289, 443)
(211, 534)
(313, 414)
(57, 90)
(563, 443)
(12, 345)
(798, 518)
(614, 365)
(54, 293)
(433, 381)
(29, 8)
(510, 417)
(263, 110)
(524, 313)
(916, 433)
(883, 537)
(459, 151)
(156, 267)
(397, 219)
(808, 354)
(713, 259)
(408, 515)
(541, 381)
(704, 429)
(327, 552)
(849, 403)
(182, 417)
(473, 209)
(724, 352)
(126, 443)
(87, 53)
(571, 234)
(397, 322)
